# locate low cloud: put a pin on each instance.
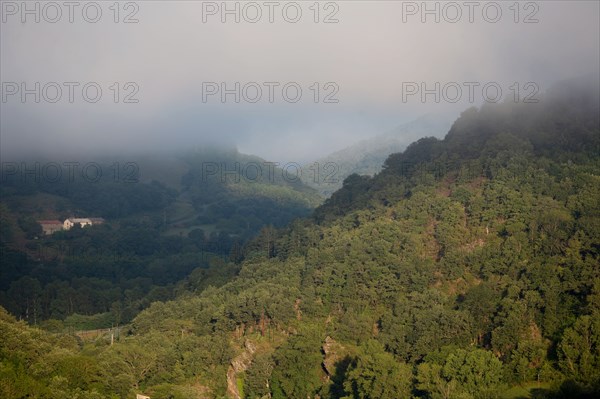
(153, 74)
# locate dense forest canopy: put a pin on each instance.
(469, 267)
(165, 231)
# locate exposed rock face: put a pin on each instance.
(239, 364)
(334, 352)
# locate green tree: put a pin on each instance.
(458, 373)
(579, 350)
(297, 369)
(258, 376)
(375, 374)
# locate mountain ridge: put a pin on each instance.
(366, 157)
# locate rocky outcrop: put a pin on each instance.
(334, 352)
(239, 364)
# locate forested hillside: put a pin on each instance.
(468, 268)
(238, 194)
(173, 222)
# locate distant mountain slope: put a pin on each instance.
(167, 215)
(367, 156)
(224, 190)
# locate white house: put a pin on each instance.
(70, 222)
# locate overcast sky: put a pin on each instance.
(372, 60)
